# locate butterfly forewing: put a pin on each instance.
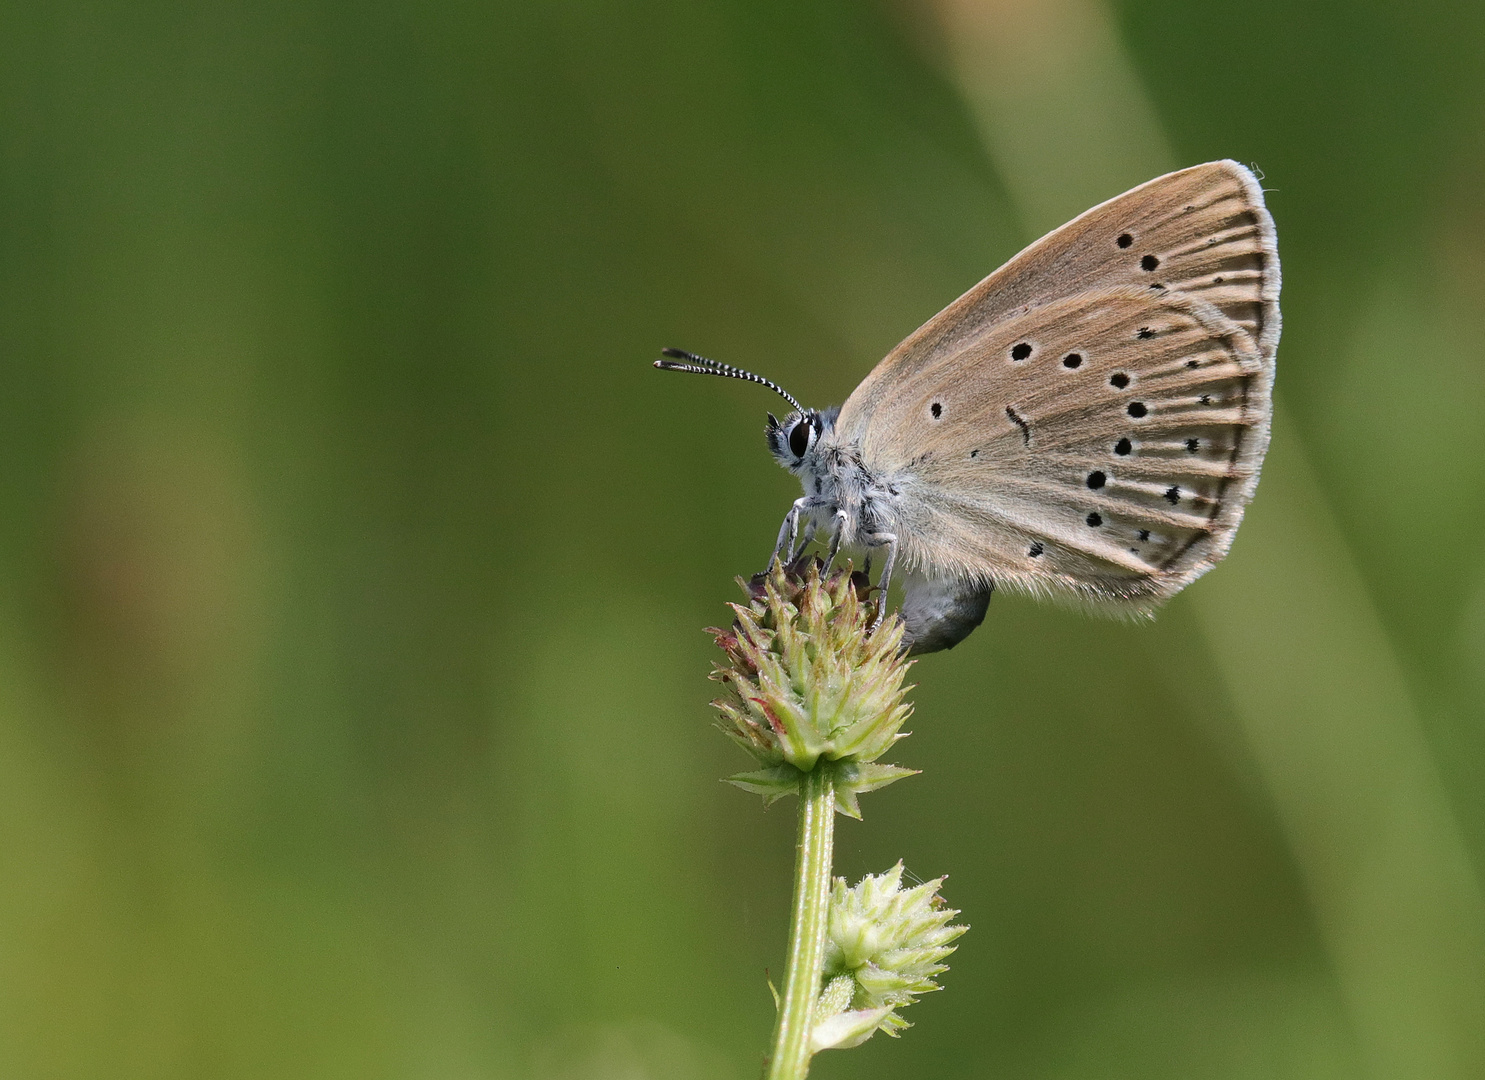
(1081, 421)
(1202, 231)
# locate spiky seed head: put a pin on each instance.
(804, 682)
(885, 946)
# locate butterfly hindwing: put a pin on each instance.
(1105, 444)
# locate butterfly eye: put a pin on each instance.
(800, 437)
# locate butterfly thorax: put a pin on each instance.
(837, 484)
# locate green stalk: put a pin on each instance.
(791, 1041)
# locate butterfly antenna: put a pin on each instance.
(700, 365)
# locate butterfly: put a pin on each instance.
(1089, 421)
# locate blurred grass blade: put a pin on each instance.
(1324, 708)
(1065, 120)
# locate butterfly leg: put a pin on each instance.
(789, 529)
(804, 541)
(888, 541)
(837, 530)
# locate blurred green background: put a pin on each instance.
(353, 560)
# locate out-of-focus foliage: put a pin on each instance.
(353, 560)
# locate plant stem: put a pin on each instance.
(791, 1042)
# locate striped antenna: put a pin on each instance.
(700, 365)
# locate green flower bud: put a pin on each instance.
(805, 683)
(885, 945)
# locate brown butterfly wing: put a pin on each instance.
(1099, 426)
(1113, 459)
(1202, 231)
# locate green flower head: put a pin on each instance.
(885, 946)
(806, 683)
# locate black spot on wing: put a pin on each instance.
(1022, 424)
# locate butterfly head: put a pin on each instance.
(794, 441)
